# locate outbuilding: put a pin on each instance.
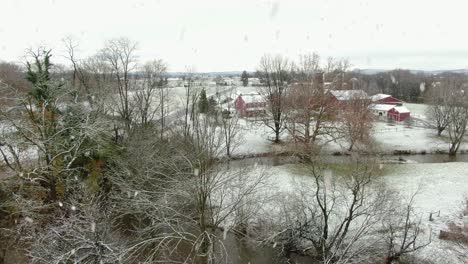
(399, 113)
(342, 98)
(381, 110)
(250, 104)
(394, 112)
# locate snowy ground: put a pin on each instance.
(389, 138)
(417, 110)
(413, 139)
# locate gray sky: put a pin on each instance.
(232, 35)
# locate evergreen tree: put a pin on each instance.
(212, 105)
(245, 78)
(203, 104)
(38, 75)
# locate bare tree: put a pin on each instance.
(274, 72)
(232, 130)
(458, 121)
(81, 75)
(356, 120)
(439, 105)
(152, 98)
(403, 232)
(336, 73)
(299, 101)
(190, 100)
(177, 197)
(119, 54)
(310, 110)
(334, 215)
(449, 109)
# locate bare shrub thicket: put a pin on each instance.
(80, 232)
(177, 198)
(345, 215)
(333, 215)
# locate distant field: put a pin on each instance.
(417, 110)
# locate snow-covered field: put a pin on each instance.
(389, 138)
(417, 110)
(413, 139)
(442, 186)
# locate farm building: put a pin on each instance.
(394, 112)
(380, 110)
(385, 99)
(250, 104)
(342, 97)
(399, 113)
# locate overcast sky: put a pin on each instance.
(233, 35)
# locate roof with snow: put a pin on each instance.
(378, 97)
(345, 95)
(381, 107)
(252, 98)
(401, 109)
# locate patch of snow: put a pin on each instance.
(378, 97)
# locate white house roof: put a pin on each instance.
(381, 107)
(378, 97)
(252, 98)
(345, 95)
(401, 109)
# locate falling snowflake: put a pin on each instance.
(422, 87)
(73, 208)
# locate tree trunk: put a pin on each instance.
(453, 150)
(392, 259)
(351, 146)
(277, 139)
(439, 131)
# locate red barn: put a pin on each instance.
(398, 113)
(385, 99)
(252, 104)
